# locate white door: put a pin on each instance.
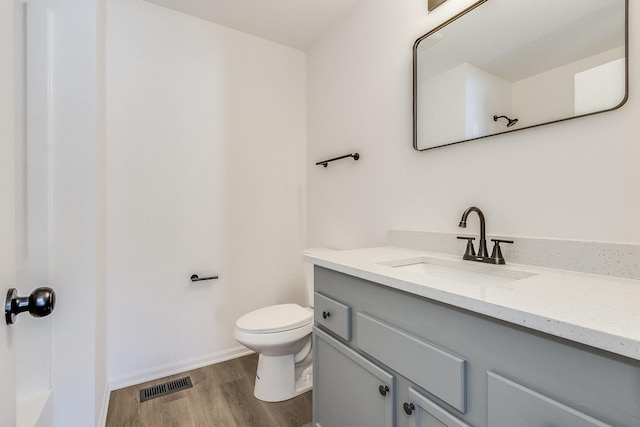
(7, 224)
(29, 338)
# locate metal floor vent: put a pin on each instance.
(164, 389)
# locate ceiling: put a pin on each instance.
(295, 23)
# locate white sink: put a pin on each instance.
(467, 272)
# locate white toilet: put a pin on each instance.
(281, 335)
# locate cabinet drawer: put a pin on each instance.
(426, 413)
(430, 367)
(511, 404)
(332, 315)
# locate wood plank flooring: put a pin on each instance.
(222, 395)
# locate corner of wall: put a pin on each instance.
(101, 420)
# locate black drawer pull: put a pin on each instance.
(408, 408)
(325, 314)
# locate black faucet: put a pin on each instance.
(483, 254)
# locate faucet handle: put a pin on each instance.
(496, 255)
(501, 241)
(470, 251)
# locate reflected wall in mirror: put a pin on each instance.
(536, 62)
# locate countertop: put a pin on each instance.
(599, 311)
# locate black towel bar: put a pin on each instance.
(325, 163)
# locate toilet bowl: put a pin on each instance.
(281, 335)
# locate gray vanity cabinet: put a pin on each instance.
(435, 369)
(426, 413)
(350, 391)
(446, 366)
(332, 315)
(512, 404)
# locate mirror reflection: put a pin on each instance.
(505, 65)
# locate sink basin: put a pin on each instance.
(459, 271)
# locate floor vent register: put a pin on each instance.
(164, 389)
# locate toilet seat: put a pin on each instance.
(275, 318)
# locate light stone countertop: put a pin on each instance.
(599, 311)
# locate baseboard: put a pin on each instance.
(102, 420)
(122, 381)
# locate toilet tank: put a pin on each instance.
(308, 271)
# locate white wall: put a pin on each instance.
(206, 174)
(444, 122)
(571, 180)
(532, 95)
(459, 104)
(486, 95)
(600, 87)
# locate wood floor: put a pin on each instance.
(222, 395)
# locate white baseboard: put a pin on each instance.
(122, 381)
(102, 420)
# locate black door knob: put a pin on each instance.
(408, 408)
(325, 314)
(40, 303)
(383, 389)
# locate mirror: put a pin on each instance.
(503, 65)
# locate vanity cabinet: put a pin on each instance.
(332, 315)
(434, 369)
(511, 404)
(423, 412)
(351, 390)
(446, 366)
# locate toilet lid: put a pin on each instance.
(275, 318)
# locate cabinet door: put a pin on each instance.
(349, 390)
(425, 413)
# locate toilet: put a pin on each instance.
(281, 335)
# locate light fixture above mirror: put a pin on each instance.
(432, 4)
(503, 65)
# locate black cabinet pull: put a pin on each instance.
(408, 408)
(383, 389)
(325, 314)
